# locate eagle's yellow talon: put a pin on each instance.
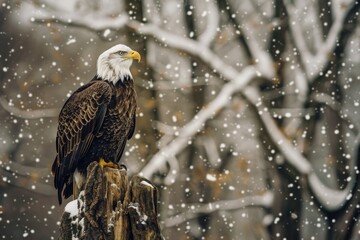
(103, 164)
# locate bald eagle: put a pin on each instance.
(96, 121)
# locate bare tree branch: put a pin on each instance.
(314, 64)
(197, 123)
(336, 107)
(28, 114)
(92, 22)
(211, 149)
(194, 48)
(264, 200)
(329, 198)
(173, 171)
(213, 19)
(294, 157)
(21, 169)
(23, 182)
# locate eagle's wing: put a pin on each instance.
(79, 121)
(129, 136)
(132, 128)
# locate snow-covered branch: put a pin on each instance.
(265, 200)
(315, 63)
(330, 199)
(173, 171)
(25, 182)
(92, 22)
(211, 150)
(23, 170)
(187, 45)
(298, 38)
(213, 20)
(198, 122)
(28, 114)
(336, 107)
(294, 157)
(192, 47)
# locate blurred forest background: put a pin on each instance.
(248, 111)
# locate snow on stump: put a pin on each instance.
(109, 207)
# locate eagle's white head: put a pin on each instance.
(114, 63)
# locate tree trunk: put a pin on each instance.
(110, 207)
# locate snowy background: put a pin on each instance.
(248, 111)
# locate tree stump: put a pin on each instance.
(111, 207)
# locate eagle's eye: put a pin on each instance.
(121, 52)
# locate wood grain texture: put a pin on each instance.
(111, 207)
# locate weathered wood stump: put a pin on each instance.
(111, 207)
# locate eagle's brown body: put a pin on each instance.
(95, 123)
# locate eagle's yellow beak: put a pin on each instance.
(134, 55)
